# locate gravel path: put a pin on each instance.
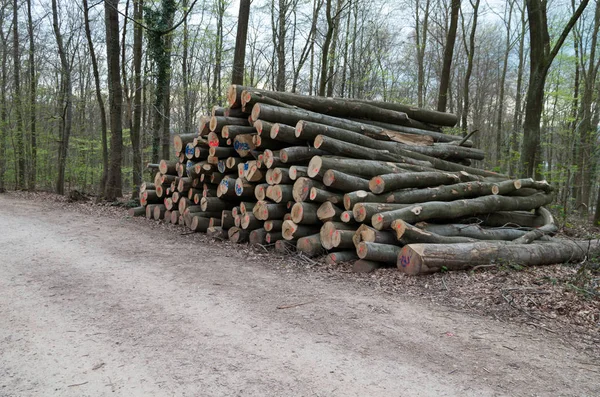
(94, 306)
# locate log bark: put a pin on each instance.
(361, 196)
(297, 171)
(548, 228)
(215, 204)
(167, 167)
(227, 220)
(363, 212)
(347, 217)
(293, 231)
(305, 213)
(180, 141)
(258, 236)
(231, 131)
(272, 237)
(260, 191)
(249, 222)
(368, 234)
(299, 154)
(328, 212)
(237, 235)
(322, 195)
(308, 131)
(473, 231)
(268, 211)
(344, 182)
(335, 258)
(460, 208)
(282, 193)
(137, 211)
(217, 123)
(318, 165)
(284, 133)
(430, 258)
(409, 234)
(199, 224)
(282, 176)
(365, 266)
(263, 127)
(328, 230)
(385, 253)
(301, 188)
(342, 239)
(310, 245)
(175, 216)
(389, 182)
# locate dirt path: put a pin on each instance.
(93, 306)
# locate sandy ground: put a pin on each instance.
(94, 306)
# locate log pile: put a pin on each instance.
(372, 182)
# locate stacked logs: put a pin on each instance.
(365, 181)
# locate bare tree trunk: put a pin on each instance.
(67, 115)
(421, 31)
(137, 98)
(470, 50)
(448, 55)
(514, 135)
(500, 116)
(32, 101)
(308, 46)
(280, 48)
(541, 57)
(332, 20)
(240, 43)
(114, 179)
(19, 130)
(102, 110)
(3, 103)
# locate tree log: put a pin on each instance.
(167, 167)
(249, 222)
(297, 171)
(389, 182)
(343, 239)
(472, 231)
(344, 182)
(318, 165)
(292, 231)
(365, 266)
(258, 236)
(361, 196)
(137, 211)
(459, 208)
(328, 212)
(409, 234)
(299, 154)
(385, 253)
(268, 211)
(328, 230)
(227, 220)
(338, 257)
(282, 176)
(305, 213)
(237, 235)
(273, 225)
(260, 191)
(284, 133)
(431, 258)
(301, 188)
(322, 195)
(310, 245)
(364, 211)
(199, 224)
(272, 237)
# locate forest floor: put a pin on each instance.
(93, 302)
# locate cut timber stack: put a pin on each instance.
(372, 182)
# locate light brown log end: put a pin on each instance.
(410, 260)
(377, 185)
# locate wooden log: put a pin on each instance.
(389, 182)
(255, 174)
(460, 208)
(183, 203)
(238, 112)
(549, 227)
(147, 186)
(366, 266)
(227, 220)
(299, 154)
(250, 222)
(322, 195)
(273, 225)
(473, 231)
(297, 171)
(175, 215)
(335, 258)
(328, 212)
(218, 122)
(180, 141)
(263, 128)
(247, 206)
(310, 245)
(305, 213)
(232, 162)
(363, 212)
(301, 188)
(344, 182)
(204, 126)
(231, 131)
(137, 211)
(215, 204)
(328, 230)
(167, 167)
(284, 133)
(292, 231)
(265, 142)
(243, 144)
(282, 193)
(409, 234)
(267, 211)
(271, 159)
(284, 247)
(385, 253)
(318, 165)
(342, 239)
(430, 258)
(272, 237)
(151, 197)
(260, 191)
(217, 232)
(258, 236)
(170, 203)
(150, 211)
(361, 196)
(237, 235)
(269, 176)
(221, 152)
(281, 176)
(307, 130)
(199, 224)
(368, 234)
(347, 217)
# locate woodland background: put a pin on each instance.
(90, 91)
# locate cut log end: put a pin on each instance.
(410, 261)
(377, 185)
